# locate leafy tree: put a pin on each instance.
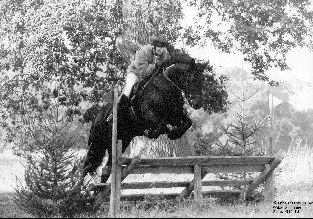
(63, 52)
(141, 19)
(40, 69)
(263, 31)
(304, 120)
(215, 93)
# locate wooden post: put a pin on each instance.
(198, 184)
(124, 173)
(118, 180)
(269, 192)
(116, 169)
(269, 182)
(186, 192)
(263, 175)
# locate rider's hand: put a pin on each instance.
(157, 61)
(149, 69)
(157, 65)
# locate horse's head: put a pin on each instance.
(189, 78)
(194, 84)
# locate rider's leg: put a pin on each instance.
(123, 101)
(131, 80)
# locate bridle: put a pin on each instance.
(185, 94)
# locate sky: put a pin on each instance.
(300, 61)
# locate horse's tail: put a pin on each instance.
(99, 140)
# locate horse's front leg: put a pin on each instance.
(154, 133)
(180, 130)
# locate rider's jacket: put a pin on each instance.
(144, 62)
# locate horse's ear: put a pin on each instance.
(203, 66)
(192, 63)
(170, 48)
(208, 66)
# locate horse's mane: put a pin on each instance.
(178, 56)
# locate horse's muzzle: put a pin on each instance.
(196, 102)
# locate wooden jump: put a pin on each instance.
(197, 165)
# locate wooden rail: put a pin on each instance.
(132, 199)
(169, 184)
(199, 160)
(209, 169)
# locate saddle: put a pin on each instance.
(108, 97)
(137, 88)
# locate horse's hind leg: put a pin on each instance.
(106, 171)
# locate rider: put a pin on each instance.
(147, 58)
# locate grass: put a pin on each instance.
(293, 180)
(8, 209)
(211, 209)
(11, 167)
(294, 176)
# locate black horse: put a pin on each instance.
(157, 108)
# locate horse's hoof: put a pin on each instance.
(173, 136)
(150, 134)
(170, 128)
(153, 136)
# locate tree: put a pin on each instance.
(289, 123)
(304, 120)
(64, 51)
(215, 94)
(144, 18)
(263, 31)
(52, 187)
(37, 67)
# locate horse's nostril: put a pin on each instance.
(196, 103)
(193, 103)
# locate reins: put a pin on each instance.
(181, 90)
(167, 78)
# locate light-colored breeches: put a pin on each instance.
(131, 80)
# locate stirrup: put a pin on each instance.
(110, 117)
(132, 99)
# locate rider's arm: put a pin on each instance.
(165, 55)
(142, 61)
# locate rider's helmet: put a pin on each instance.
(159, 40)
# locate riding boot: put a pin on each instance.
(123, 103)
